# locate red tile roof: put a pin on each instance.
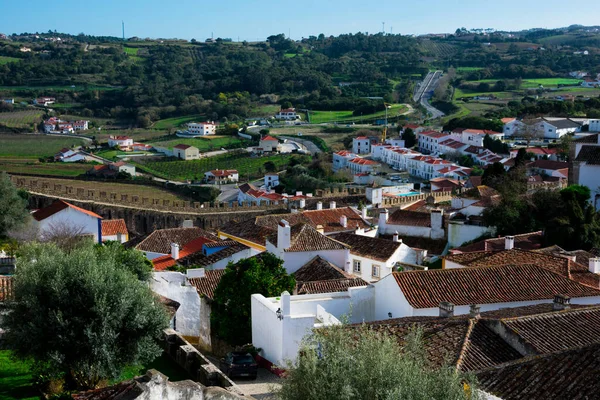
(410, 218)
(6, 288)
(182, 147)
(112, 227)
(206, 286)
(368, 247)
(194, 246)
(304, 237)
(223, 172)
(504, 284)
(269, 139)
(549, 164)
(57, 206)
(363, 161)
(330, 286)
(507, 120)
(160, 240)
(524, 241)
(163, 262)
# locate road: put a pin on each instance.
(425, 91)
(303, 143)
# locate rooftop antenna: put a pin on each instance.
(123, 25)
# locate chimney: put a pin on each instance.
(320, 229)
(285, 303)
(175, 251)
(344, 221)
(595, 265)
(284, 240)
(363, 213)
(474, 311)
(446, 309)
(383, 217)
(319, 205)
(561, 302)
(332, 205)
(396, 237)
(509, 242)
(302, 203)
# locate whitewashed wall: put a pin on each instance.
(459, 233)
(71, 218)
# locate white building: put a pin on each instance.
(299, 244)
(555, 128)
(362, 165)
(202, 128)
(412, 223)
(62, 218)
(114, 230)
(268, 143)
(186, 152)
(474, 137)
(361, 145)
(594, 125)
(280, 323)
(271, 180)
(429, 141)
(120, 141)
(222, 176)
(287, 114)
(586, 166)
(80, 125)
(341, 159)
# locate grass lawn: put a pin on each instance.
(29, 146)
(463, 112)
(468, 69)
(319, 117)
(138, 135)
(34, 167)
(458, 93)
(534, 83)
(264, 110)
(176, 122)
(208, 143)
(162, 364)
(16, 381)
(6, 60)
(247, 166)
(132, 51)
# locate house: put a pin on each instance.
(271, 180)
(62, 218)
(538, 152)
(160, 242)
(362, 165)
(414, 127)
(202, 128)
(412, 223)
(586, 166)
(341, 159)
(451, 146)
(429, 141)
(141, 147)
(549, 168)
(590, 82)
(120, 141)
(594, 125)
(8, 101)
(221, 176)
(445, 184)
(512, 126)
(80, 125)
(299, 244)
(320, 276)
(375, 258)
(186, 152)
(268, 143)
(524, 241)
(287, 114)
(115, 230)
(122, 166)
(361, 145)
(280, 323)
(555, 128)
(64, 153)
(44, 101)
(112, 170)
(248, 193)
(578, 74)
(474, 137)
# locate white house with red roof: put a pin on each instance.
(222, 176)
(361, 145)
(120, 141)
(451, 146)
(474, 137)
(248, 193)
(202, 128)
(538, 152)
(429, 141)
(362, 165)
(80, 125)
(268, 143)
(341, 159)
(591, 82)
(114, 230)
(287, 114)
(66, 219)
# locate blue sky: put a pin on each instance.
(257, 19)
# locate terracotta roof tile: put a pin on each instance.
(198, 259)
(589, 155)
(112, 227)
(549, 164)
(330, 286)
(410, 218)
(160, 240)
(6, 288)
(319, 269)
(269, 139)
(206, 286)
(57, 206)
(306, 238)
(247, 230)
(524, 241)
(328, 218)
(373, 248)
(464, 286)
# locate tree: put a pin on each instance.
(80, 315)
(529, 130)
(409, 137)
(264, 274)
(13, 207)
(270, 166)
(492, 174)
(341, 362)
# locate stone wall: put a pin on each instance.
(195, 363)
(438, 197)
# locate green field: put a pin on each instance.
(176, 122)
(16, 382)
(34, 145)
(53, 169)
(320, 117)
(59, 88)
(132, 51)
(21, 119)
(468, 69)
(6, 60)
(247, 166)
(264, 110)
(534, 83)
(204, 144)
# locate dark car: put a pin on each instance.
(239, 364)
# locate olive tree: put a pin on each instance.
(342, 362)
(13, 206)
(80, 314)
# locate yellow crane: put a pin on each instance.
(384, 133)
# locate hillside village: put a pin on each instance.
(170, 256)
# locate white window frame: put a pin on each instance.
(355, 264)
(375, 267)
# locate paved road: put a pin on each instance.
(306, 144)
(425, 93)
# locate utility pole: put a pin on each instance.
(383, 28)
(391, 30)
(123, 25)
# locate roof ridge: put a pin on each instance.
(551, 314)
(466, 342)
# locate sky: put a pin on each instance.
(253, 20)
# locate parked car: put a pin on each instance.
(240, 364)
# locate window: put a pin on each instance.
(356, 265)
(375, 271)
